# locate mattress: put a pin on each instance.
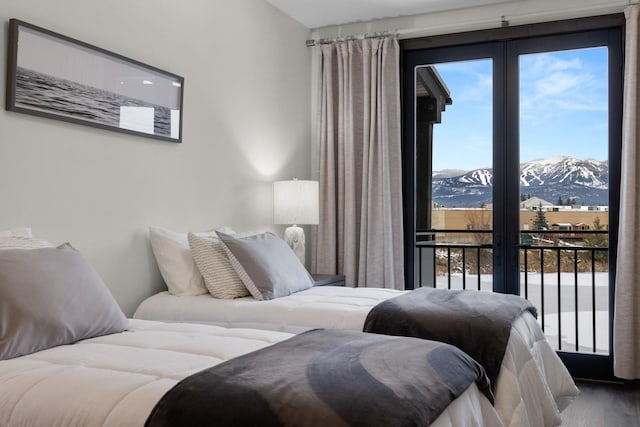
(116, 380)
(332, 307)
(532, 388)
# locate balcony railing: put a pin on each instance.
(567, 281)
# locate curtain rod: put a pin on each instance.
(375, 35)
(502, 21)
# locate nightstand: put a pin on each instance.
(328, 279)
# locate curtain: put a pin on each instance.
(626, 329)
(360, 232)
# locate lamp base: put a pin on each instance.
(294, 236)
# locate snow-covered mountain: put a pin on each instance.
(585, 180)
(448, 173)
(482, 177)
(565, 170)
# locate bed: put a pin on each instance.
(532, 388)
(254, 280)
(117, 379)
(68, 356)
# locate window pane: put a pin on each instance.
(455, 211)
(564, 194)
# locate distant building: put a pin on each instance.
(562, 226)
(564, 220)
(534, 203)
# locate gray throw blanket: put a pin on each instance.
(325, 378)
(477, 322)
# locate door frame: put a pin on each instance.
(521, 39)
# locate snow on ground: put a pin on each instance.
(587, 284)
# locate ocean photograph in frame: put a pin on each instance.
(54, 76)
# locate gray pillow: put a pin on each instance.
(51, 297)
(266, 265)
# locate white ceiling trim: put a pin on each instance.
(321, 13)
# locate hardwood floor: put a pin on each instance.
(604, 405)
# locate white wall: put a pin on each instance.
(246, 123)
(517, 12)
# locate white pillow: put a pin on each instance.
(213, 263)
(177, 267)
(176, 264)
(19, 232)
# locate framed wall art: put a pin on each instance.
(55, 76)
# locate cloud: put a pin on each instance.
(553, 82)
(562, 83)
(545, 63)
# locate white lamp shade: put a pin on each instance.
(295, 202)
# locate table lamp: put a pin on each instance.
(295, 202)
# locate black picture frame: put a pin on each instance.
(54, 76)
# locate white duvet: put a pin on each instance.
(532, 388)
(116, 380)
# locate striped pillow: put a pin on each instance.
(24, 232)
(220, 278)
(23, 242)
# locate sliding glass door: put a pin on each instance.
(514, 149)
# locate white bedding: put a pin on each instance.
(532, 388)
(116, 380)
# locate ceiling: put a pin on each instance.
(322, 13)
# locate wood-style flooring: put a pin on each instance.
(604, 405)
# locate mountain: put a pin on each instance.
(585, 180)
(565, 170)
(448, 173)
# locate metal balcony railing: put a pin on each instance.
(565, 276)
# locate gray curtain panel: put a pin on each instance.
(360, 230)
(626, 330)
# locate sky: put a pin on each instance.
(563, 109)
